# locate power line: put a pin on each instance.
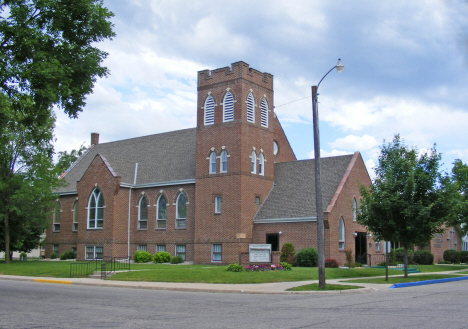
(293, 101)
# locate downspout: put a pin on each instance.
(129, 209)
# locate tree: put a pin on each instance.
(65, 159)
(47, 59)
(27, 177)
(459, 199)
(406, 201)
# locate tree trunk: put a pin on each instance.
(406, 261)
(7, 238)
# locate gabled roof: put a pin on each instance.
(165, 157)
(292, 197)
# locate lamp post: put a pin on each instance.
(318, 184)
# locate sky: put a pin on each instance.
(406, 65)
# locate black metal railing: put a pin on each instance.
(115, 264)
(379, 260)
(83, 269)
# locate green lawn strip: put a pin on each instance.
(315, 286)
(54, 269)
(441, 268)
(401, 279)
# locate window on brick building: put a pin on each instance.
(217, 200)
(180, 251)
(95, 209)
(275, 148)
(143, 213)
(264, 113)
(250, 108)
(228, 107)
(55, 248)
(223, 162)
(257, 201)
(75, 216)
(216, 253)
(253, 163)
(160, 248)
(141, 247)
(161, 212)
(354, 209)
(213, 163)
(261, 164)
(181, 210)
(377, 246)
(94, 252)
(341, 234)
(57, 211)
(209, 110)
(74, 251)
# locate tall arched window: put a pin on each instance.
(261, 164)
(161, 212)
(228, 107)
(250, 108)
(143, 213)
(209, 110)
(223, 162)
(57, 211)
(354, 210)
(253, 163)
(212, 163)
(95, 209)
(341, 234)
(181, 210)
(264, 113)
(75, 216)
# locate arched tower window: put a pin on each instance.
(228, 107)
(354, 209)
(223, 162)
(181, 210)
(95, 209)
(213, 163)
(143, 213)
(75, 216)
(57, 211)
(209, 111)
(253, 163)
(161, 212)
(341, 234)
(261, 164)
(264, 113)
(250, 108)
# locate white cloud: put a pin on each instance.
(325, 154)
(354, 143)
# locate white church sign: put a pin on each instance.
(260, 253)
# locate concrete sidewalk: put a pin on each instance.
(254, 288)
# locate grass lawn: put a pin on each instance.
(401, 279)
(203, 273)
(315, 286)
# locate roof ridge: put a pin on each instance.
(342, 182)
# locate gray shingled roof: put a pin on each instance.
(161, 158)
(293, 195)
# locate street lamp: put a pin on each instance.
(318, 184)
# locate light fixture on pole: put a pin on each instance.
(318, 185)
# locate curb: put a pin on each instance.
(421, 283)
(52, 281)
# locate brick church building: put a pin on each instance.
(208, 192)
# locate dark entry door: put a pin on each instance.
(361, 247)
(273, 239)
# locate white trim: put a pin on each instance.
(285, 220)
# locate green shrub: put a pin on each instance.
(235, 268)
(287, 253)
(464, 256)
(177, 260)
(423, 257)
(69, 254)
(332, 263)
(357, 264)
(162, 257)
(286, 266)
(444, 262)
(142, 257)
(53, 255)
(400, 255)
(307, 257)
(452, 256)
